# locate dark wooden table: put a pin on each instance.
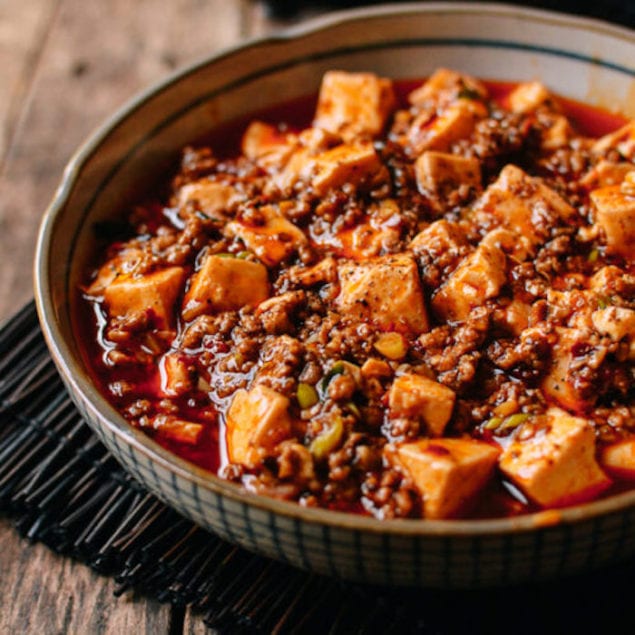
(65, 65)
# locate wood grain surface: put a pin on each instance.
(65, 65)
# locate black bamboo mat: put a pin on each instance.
(61, 487)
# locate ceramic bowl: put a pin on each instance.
(578, 58)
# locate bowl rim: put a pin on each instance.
(75, 375)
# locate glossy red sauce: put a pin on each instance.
(497, 499)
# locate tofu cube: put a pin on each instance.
(559, 383)
(618, 323)
(557, 465)
(440, 237)
(479, 276)
(348, 163)
(619, 458)
(175, 376)
(273, 241)
(622, 140)
(440, 172)
(267, 145)
(214, 199)
(417, 397)
(123, 263)
(257, 420)
(449, 473)
(439, 132)
(385, 290)
(354, 104)
(527, 97)
(171, 427)
(615, 214)
(225, 284)
(446, 85)
(523, 204)
(154, 292)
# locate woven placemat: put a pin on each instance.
(60, 486)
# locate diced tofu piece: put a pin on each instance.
(558, 134)
(528, 96)
(523, 204)
(622, 140)
(348, 163)
(225, 284)
(378, 233)
(479, 276)
(449, 473)
(607, 173)
(619, 458)
(438, 238)
(267, 145)
(174, 371)
(386, 290)
(123, 263)
(455, 122)
(273, 241)
(440, 172)
(557, 465)
(173, 428)
(618, 323)
(323, 271)
(212, 198)
(417, 397)
(559, 383)
(615, 214)
(516, 316)
(154, 292)
(354, 104)
(446, 85)
(257, 420)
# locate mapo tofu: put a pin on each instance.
(416, 300)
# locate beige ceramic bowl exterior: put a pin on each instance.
(578, 58)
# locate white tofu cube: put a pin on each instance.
(415, 396)
(348, 163)
(257, 420)
(123, 263)
(354, 104)
(174, 372)
(479, 276)
(618, 323)
(438, 238)
(439, 132)
(385, 290)
(619, 458)
(214, 199)
(267, 145)
(225, 284)
(615, 214)
(442, 172)
(528, 96)
(622, 140)
(273, 241)
(449, 473)
(559, 382)
(154, 292)
(446, 85)
(523, 204)
(557, 465)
